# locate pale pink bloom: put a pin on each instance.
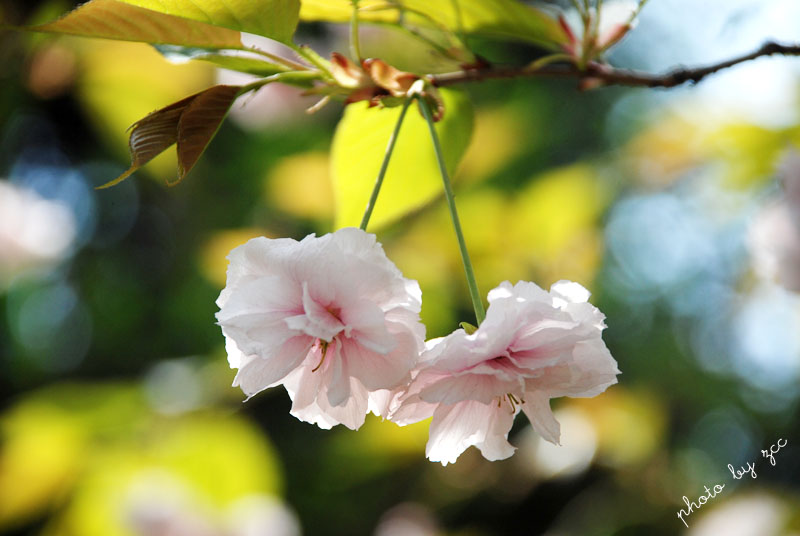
(774, 233)
(532, 346)
(774, 241)
(330, 318)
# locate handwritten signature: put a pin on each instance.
(738, 474)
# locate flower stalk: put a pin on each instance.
(384, 166)
(477, 304)
(355, 47)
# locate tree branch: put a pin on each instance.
(608, 75)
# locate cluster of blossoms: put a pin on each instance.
(333, 320)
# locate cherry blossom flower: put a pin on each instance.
(774, 234)
(330, 318)
(532, 346)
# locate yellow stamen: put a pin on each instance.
(324, 346)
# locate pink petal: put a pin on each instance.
(338, 382)
(376, 371)
(479, 387)
(536, 406)
(570, 291)
(365, 322)
(590, 373)
(316, 320)
(255, 258)
(260, 373)
(308, 392)
(455, 428)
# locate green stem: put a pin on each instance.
(384, 166)
(279, 59)
(477, 304)
(355, 48)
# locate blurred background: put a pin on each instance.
(679, 209)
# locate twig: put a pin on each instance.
(610, 75)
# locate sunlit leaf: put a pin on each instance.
(190, 122)
(555, 224)
(747, 153)
(301, 185)
(378, 447)
(116, 94)
(276, 19)
(630, 424)
(499, 135)
(35, 475)
(413, 177)
(112, 19)
(198, 467)
(505, 19)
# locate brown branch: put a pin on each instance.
(608, 75)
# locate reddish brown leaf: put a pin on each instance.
(199, 122)
(393, 80)
(191, 122)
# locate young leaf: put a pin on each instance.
(191, 122)
(276, 19)
(112, 19)
(504, 19)
(413, 176)
(199, 123)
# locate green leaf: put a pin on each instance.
(276, 19)
(191, 122)
(504, 19)
(243, 64)
(468, 328)
(111, 19)
(413, 178)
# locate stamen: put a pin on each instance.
(513, 401)
(324, 346)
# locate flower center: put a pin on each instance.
(335, 312)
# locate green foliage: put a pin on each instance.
(413, 178)
(112, 19)
(504, 19)
(276, 19)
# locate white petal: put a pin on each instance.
(261, 295)
(259, 373)
(503, 290)
(310, 401)
(365, 322)
(455, 428)
(376, 371)
(569, 291)
(338, 385)
(536, 406)
(479, 387)
(247, 261)
(235, 356)
(316, 320)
